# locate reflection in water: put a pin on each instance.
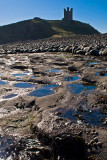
(3, 82)
(21, 74)
(93, 63)
(70, 114)
(101, 74)
(93, 117)
(7, 146)
(45, 91)
(54, 70)
(10, 96)
(73, 78)
(33, 77)
(78, 88)
(24, 85)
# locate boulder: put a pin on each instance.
(103, 52)
(94, 52)
(80, 52)
(72, 68)
(89, 78)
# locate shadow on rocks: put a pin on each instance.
(65, 146)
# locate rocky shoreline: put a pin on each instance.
(53, 99)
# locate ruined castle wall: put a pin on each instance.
(68, 14)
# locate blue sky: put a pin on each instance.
(93, 12)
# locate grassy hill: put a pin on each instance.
(38, 28)
(74, 27)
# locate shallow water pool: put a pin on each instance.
(70, 115)
(72, 78)
(10, 96)
(7, 146)
(93, 63)
(21, 74)
(33, 77)
(104, 75)
(3, 83)
(54, 70)
(78, 88)
(44, 91)
(93, 117)
(24, 85)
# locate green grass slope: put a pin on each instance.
(38, 28)
(74, 27)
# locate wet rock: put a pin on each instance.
(103, 52)
(94, 52)
(61, 64)
(89, 79)
(64, 146)
(102, 73)
(67, 49)
(25, 102)
(72, 68)
(81, 52)
(103, 83)
(19, 67)
(87, 49)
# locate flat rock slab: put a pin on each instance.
(64, 118)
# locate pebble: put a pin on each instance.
(58, 158)
(95, 139)
(91, 142)
(99, 144)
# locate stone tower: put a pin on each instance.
(68, 15)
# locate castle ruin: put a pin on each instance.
(68, 15)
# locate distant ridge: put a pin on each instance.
(39, 28)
